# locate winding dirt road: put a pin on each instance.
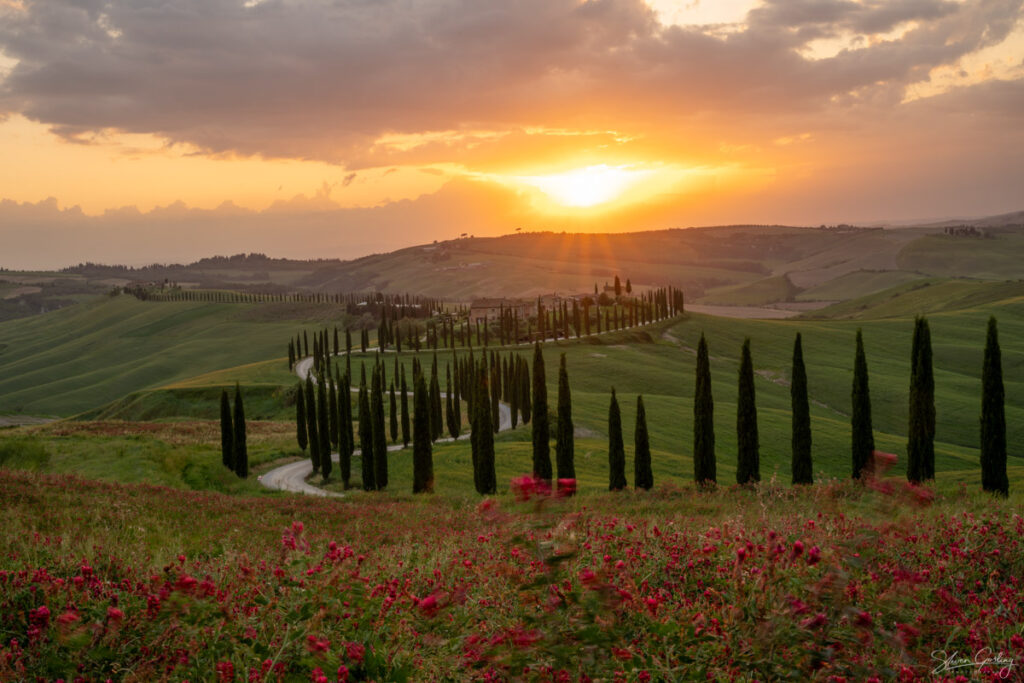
(292, 477)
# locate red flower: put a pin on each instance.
(813, 555)
(428, 606)
(225, 672)
(356, 652)
(114, 614)
(315, 645)
(817, 621)
(566, 487)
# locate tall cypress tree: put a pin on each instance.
(422, 451)
(541, 429)
(513, 387)
(643, 477)
(486, 478)
(748, 465)
(345, 446)
(801, 410)
(495, 401)
(525, 409)
(993, 417)
(405, 411)
(332, 412)
(704, 468)
(380, 443)
(300, 418)
(565, 446)
(449, 410)
(311, 426)
(323, 427)
(860, 421)
(436, 407)
(241, 452)
(616, 449)
(227, 432)
(921, 430)
(366, 435)
(393, 414)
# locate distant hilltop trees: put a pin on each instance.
(966, 231)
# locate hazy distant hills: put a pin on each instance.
(729, 265)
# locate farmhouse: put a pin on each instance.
(482, 310)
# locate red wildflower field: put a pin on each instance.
(838, 582)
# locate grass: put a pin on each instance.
(141, 582)
(184, 454)
(857, 284)
(87, 355)
(925, 295)
(997, 258)
(767, 291)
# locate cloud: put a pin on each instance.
(327, 81)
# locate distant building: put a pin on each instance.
(482, 310)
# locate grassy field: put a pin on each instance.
(767, 291)
(85, 356)
(857, 284)
(138, 582)
(657, 361)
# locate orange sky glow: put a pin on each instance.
(398, 124)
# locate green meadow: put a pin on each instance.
(167, 363)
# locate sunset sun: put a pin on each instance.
(586, 187)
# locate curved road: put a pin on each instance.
(292, 477)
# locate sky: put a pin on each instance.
(139, 131)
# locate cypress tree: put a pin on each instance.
(380, 443)
(345, 446)
(993, 417)
(486, 478)
(300, 416)
(332, 412)
(422, 451)
(642, 475)
(525, 408)
(405, 411)
(616, 449)
(323, 427)
(495, 401)
(921, 431)
(564, 442)
(436, 407)
(311, 426)
(860, 421)
(366, 435)
(513, 385)
(801, 410)
(241, 452)
(227, 429)
(704, 468)
(393, 413)
(748, 466)
(456, 412)
(541, 430)
(449, 410)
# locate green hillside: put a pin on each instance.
(87, 355)
(924, 295)
(767, 291)
(997, 257)
(857, 284)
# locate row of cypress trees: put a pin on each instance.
(921, 427)
(643, 478)
(233, 448)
